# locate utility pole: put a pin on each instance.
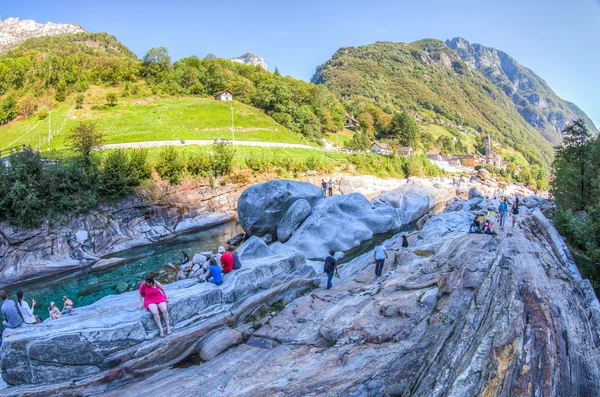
(49, 121)
(232, 127)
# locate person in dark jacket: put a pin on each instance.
(404, 241)
(237, 264)
(475, 226)
(330, 268)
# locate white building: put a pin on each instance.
(224, 95)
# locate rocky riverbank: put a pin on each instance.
(455, 314)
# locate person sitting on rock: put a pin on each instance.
(227, 261)
(487, 228)
(330, 268)
(213, 274)
(237, 263)
(220, 251)
(154, 298)
(475, 226)
(54, 312)
(10, 316)
(404, 241)
(68, 306)
(184, 258)
(25, 310)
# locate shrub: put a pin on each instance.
(258, 165)
(222, 159)
(138, 162)
(85, 138)
(116, 175)
(79, 101)
(43, 112)
(170, 165)
(198, 164)
(111, 99)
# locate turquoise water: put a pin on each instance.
(86, 287)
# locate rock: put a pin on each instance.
(199, 259)
(251, 59)
(121, 287)
(410, 206)
(218, 342)
(93, 343)
(292, 219)
(267, 238)
(82, 236)
(253, 248)
(261, 206)
(483, 174)
(474, 193)
(208, 254)
(14, 31)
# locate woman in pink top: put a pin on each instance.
(154, 298)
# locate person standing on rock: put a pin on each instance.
(324, 187)
(502, 210)
(10, 316)
(330, 187)
(515, 211)
(379, 257)
(154, 298)
(330, 268)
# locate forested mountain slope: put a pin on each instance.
(429, 78)
(534, 99)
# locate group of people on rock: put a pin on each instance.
(503, 209)
(327, 187)
(379, 256)
(153, 296)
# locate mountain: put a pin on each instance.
(14, 31)
(534, 99)
(251, 59)
(430, 80)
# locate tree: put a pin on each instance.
(111, 99)
(360, 142)
(79, 101)
(27, 106)
(276, 72)
(156, 63)
(8, 109)
(170, 165)
(85, 138)
(404, 127)
(115, 175)
(574, 173)
(367, 124)
(222, 159)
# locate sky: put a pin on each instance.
(557, 39)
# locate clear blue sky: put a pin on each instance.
(558, 39)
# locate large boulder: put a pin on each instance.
(293, 218)
(410, 206)
(261, 207)
(474, 193)
(253, 248)
(342, 222)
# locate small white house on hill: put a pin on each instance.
(224, 96)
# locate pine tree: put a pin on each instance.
(276, 72)
(404, 127)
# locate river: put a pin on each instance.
(85, 287)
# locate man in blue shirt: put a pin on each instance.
(502, 210)
(10, 314)
(330, 268)
(213, 274)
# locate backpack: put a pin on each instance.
(329, 264)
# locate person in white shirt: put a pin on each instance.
(25, 310)
(379, 257)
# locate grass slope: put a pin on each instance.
(153, 119)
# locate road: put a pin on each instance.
(188, 142)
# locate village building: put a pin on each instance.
(455, 161)
(435, 155)
(381, 148)
(494, 158)
(470, 160)
(224, 96)
(350, 122)
(405, 151)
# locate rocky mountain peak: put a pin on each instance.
(14, 31)
(251, 59)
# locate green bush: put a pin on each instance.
(198, 164)
(138, 162)
(258, 165)
(170, 166)
(222, 159)
(116, 175)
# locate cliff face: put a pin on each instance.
(14, 31)
(534, 99)
(251, 59)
